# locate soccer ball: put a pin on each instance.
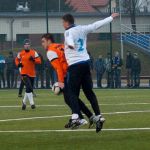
(56, 89)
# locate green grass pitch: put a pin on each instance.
(123, 109)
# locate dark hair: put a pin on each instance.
(27, 41)
(48, 36)
(68, 18)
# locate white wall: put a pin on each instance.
(38, 25)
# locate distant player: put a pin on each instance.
(55, 54)
(79, 70)
(26, 61)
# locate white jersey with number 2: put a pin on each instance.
(76, 37)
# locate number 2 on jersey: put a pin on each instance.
(81, 48)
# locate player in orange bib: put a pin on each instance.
(55, 54)
(26, 61)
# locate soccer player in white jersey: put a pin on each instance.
(78, 60)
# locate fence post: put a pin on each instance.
(12, 33)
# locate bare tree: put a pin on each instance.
(131, 7)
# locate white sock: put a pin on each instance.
(30, 97)
(99, 116)
(96, 118)
(75, 116)
(25, 98)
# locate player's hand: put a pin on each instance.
(114, 15)
(31, 59)
(61, 85)
(20, 65)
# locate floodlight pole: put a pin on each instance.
(59, 5)
(122, 50)
(111, 57)
(110, 29)
(47, 24)
(12, 33)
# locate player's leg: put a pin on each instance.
(3, 79)
(87, 112)
(32, 79)
(68, 102)
(12, 77)
(21, 88)
(138, 79)
(87, 88)
(24, 101)
(29, 90)
(74, 83)
(116, 79)
(98, 79)
(83, 108)
(134, 76)
(32, 92)
(119, 77)
(8, 78)
(132, 79)
(82, 120)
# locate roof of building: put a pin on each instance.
(86, 5)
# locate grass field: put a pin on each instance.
(128, 111)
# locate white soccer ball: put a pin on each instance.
(56, 89)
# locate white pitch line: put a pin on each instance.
(63, 116)
(79, 130)
(127, 104)
(34, 118)
(127, 112)
(4, 90)
(16, 106)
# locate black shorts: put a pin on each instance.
(29, 83)
(79, 75)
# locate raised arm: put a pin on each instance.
(98, 24)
